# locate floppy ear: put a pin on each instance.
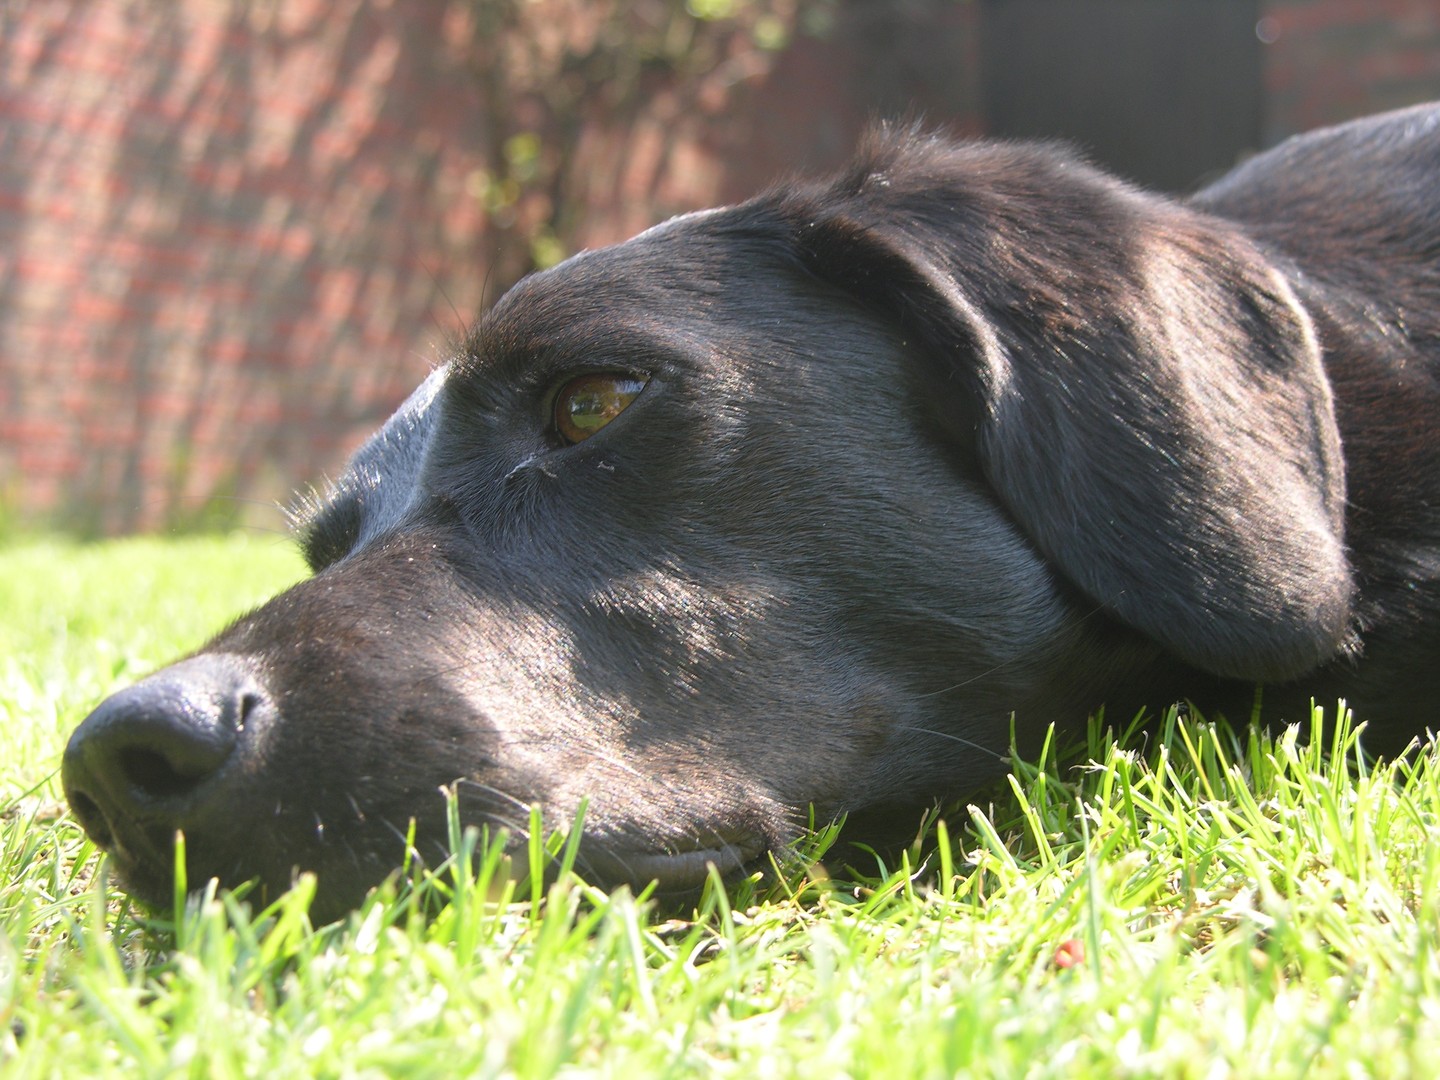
(1145, 391)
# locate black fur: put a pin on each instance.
(967, 431)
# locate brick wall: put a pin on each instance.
(223, 230)
(1330, 60)
(234, 233)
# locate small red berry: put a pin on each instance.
(1070, 953)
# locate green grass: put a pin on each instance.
(1201, 904)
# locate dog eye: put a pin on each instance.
(585, 405)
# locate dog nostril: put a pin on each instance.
(153, 775)
(249, 703)
(91, 819)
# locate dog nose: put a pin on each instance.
(142, 758)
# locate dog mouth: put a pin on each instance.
(144, 866)
(676, 869)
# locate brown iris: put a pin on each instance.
(587, 404)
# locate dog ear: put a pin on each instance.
(1144, 390)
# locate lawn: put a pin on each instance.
(1191, 903)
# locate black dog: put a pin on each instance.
(794, 503)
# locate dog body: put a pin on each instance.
(795, 503)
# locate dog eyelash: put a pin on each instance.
(585, 404)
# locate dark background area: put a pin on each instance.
(1167, 93)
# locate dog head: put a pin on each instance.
(785, 505)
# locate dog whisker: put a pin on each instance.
(960, 739)
(495, 792)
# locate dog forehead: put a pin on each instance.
(675, 274)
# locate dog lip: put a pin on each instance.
(675, 869)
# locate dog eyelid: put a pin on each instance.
(586, 404)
